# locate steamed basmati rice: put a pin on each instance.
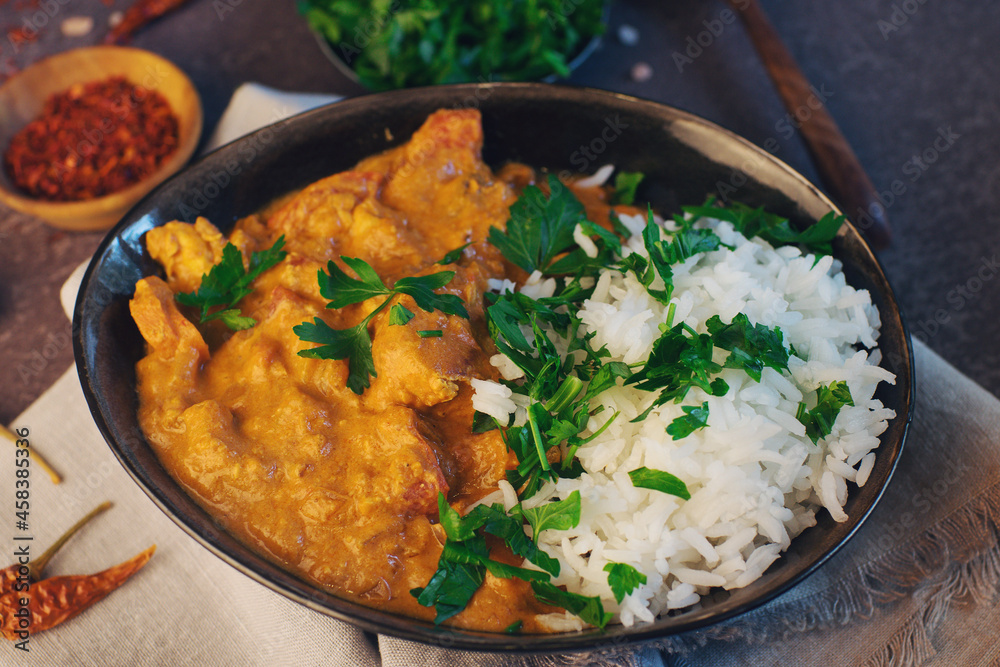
(756, 480)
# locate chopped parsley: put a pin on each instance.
(751, 346)
(589, 609)
(694, 418)
(401, 44)
(539, 227)
(559, 515)
(774, 229)
(626, 184)
(355, 343)
(465, 559)
(680, 359)
(228, 282)
(659, 480)
(829, 400)
(623, 579)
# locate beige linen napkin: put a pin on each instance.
(915, 586)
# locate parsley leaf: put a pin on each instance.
(676, 363)
(606, 377)
(539, 227)
(829, 400)
(465, 557)
(658, 480)
(228, 282)
(342, 290)
(623, 579)
(626, 183)
(559, 515)
(683, 244)
(453, 256)
(774, 229)
(450, 588)
(752, 346)
(694, 418)
(589, 609)
(421, 288)
(399, 315)
(355, 343)
(510, 528)
(233, 318)
(456, 527)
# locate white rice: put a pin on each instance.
(756, 480)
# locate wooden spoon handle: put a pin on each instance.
(838, 166)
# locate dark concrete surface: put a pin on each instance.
(905, 79)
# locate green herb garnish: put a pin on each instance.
(658, 480)
(355, 343)
(589, 609)
(623, 579)
(680, 359)
(752, 346)
(403, 43)
(228, 282)
(626, 184)
(399, 315)
(694, 418)
(539, 227)
(774, 229)
(559, 515)
(829, 400)
(465, 558)
(514, 627)
(453, 256)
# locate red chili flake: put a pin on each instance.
(92, 140)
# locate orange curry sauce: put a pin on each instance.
(339, 488)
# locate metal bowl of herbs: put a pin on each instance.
(550, 127)
(395, 44)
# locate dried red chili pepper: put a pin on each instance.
(92, 140)
(138, 15)
(56, 599)
(34, 569)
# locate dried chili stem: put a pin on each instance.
(37, 565)
(38, 458)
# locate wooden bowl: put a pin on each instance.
(23, 96)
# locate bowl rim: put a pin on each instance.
(120, 200)
(379, 621)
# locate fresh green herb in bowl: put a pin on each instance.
(402, 43)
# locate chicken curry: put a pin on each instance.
(339, 487)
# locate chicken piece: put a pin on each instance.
(187, 252)
(381, 237)
(397, 464)
(259, 361)
(169, 334)
(171, 371)
(422, 372)
(316, 221)
(439, 182)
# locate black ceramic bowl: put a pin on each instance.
(562, 129)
